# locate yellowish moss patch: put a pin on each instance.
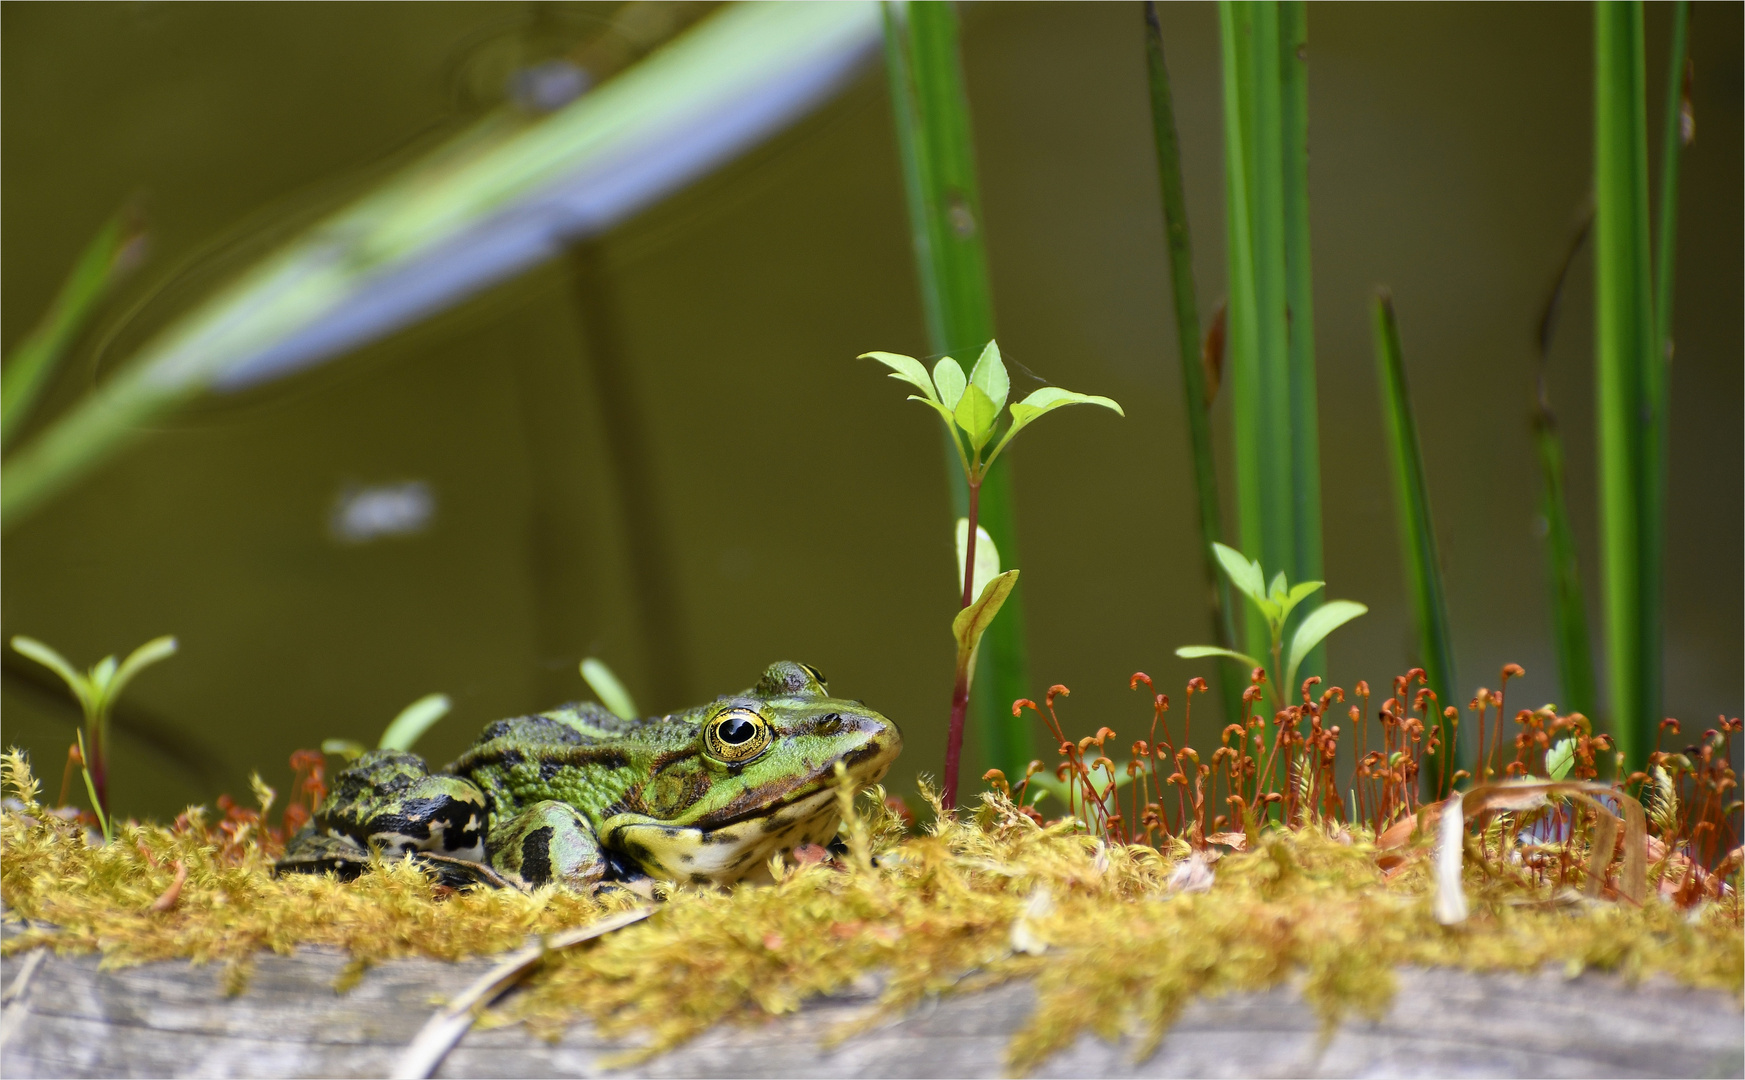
(980, 899)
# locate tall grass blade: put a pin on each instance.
(28, 370)
(1575, 665)
(1417, 529)
(1271, 370)
(1624, 337)
(1196, 398)
(933, 136)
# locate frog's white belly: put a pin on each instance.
(725, 855)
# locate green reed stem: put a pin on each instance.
(1305, 455)
(1630, 389)
(1196, 397)
(1271, 324)
(1656, 365)
(1417, 528)
(934, 139)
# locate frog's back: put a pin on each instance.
(574, 727)
(578, 754)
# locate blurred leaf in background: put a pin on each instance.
(117, 248)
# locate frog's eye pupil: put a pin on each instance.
(736, 736)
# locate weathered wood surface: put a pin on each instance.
(69, 1019)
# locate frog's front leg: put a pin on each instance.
(388, 801)
(548, 842)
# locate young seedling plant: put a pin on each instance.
(1276, 602)
(970, 407)
(96, 691)
(404, 731)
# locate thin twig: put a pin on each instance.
(443, 1030)
(16, 1007)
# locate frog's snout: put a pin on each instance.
(881, 742)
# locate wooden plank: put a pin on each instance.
(173, 1019)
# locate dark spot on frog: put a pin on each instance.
(871, 750)
(699, 879)
(606, 759)
(512, 757)
(619, 867)
(549, 769)
(667, 760)
(687, 857)
(536, 856)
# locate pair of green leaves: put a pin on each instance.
(97, 689)
(971, 404)
(1276, 602)
(402, 732)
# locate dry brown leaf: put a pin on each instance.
(1400, 831)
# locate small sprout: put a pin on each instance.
(97, 691)
(1276, 602)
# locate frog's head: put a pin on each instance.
(757, 777)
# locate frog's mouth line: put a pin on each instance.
(768, 810)
(825, 781)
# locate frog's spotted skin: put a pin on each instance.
(577, 794)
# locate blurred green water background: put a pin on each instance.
(802, 506)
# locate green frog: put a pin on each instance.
(578, 796)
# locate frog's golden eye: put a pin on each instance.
(736, 735)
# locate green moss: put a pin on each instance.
(981, 898)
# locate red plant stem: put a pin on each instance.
(1134, 781)
(1187, 722)
(99, 774)
(1483, 726)
(1271, 757)
(960, 692)
(954, 736)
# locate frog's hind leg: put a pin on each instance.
(388, 802)
(315, 852)
(549, 842)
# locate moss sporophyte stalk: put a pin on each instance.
(1150, 888)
